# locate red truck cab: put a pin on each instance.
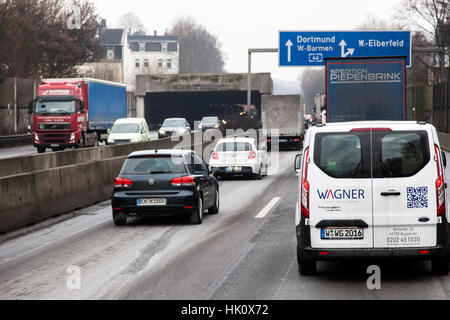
(60, 117)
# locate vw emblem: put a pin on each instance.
(151, 182)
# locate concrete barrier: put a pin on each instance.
(444, 140)
(43, 161)
(32, 197)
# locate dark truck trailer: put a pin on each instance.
(366, 89)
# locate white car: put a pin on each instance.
(128, 130)
(372, 190)
(238, 156)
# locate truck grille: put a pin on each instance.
(54, 138)
(54, 126)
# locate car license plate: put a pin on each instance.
(230, 169)
(351, 233)
(152, 202)
(54, 145)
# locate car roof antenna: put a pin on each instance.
(156, 150)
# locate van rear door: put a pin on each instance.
(404, 190)
(340, 189)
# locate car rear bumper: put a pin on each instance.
(180, 203)
(224, 171)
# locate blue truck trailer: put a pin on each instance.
(365, 89)
(75, 112)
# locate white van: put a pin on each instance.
(128, 130)
(372, 190)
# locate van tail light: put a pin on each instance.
(305, 185)
(440, 185)
(251, 155)
(123, 183)
(215, 156)
(186, 181)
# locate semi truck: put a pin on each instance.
(360, 89)
(75, 112)
(282, 118)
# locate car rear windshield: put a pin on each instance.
(340, 155)
(400, 154)
(154, 165)
(126, 128)
(377, 154)
(233, 146)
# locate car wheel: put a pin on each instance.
(120, 219)
(197, 215)
(215, 208)
(439, 267)
(306, 267)
(258, 176)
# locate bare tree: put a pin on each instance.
(428, 16)
(200, 51)
(36, 39)
(131, 22)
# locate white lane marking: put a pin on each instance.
(267, 208)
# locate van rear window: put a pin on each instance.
(400, 154)
(340, 155)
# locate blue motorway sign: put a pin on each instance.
(310, 48)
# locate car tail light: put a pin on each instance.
(186, 181)
(215, 156)
(440, 185)
(305, 185)
(123, 182)
(251, 155)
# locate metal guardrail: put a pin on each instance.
(20, 139)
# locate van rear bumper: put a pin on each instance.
(434, 253)
(439, 252)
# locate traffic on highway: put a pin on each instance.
(139, 165)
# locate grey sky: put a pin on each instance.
(243, 24)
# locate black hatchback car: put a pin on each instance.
(164, 182)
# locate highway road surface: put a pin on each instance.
(247, 251)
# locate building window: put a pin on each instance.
(146, 64)
(138, 63)
(110, 54)
(142, 47)
(160, 63)
(164, 47)
(169, 64)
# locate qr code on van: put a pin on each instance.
(417, 197)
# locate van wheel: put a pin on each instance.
(306, 267)
(120, 219)
(439, 267)
(215, 208)
(197, 216)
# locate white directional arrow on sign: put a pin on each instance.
(289, 45)
(349, 52)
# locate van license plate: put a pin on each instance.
(152, 202)
(342, 233)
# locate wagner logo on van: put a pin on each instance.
(341, 194)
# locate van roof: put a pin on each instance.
(367, 124)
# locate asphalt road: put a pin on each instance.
(232, 255)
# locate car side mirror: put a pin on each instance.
(297, 163)
(82, 106)
(444, 159)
